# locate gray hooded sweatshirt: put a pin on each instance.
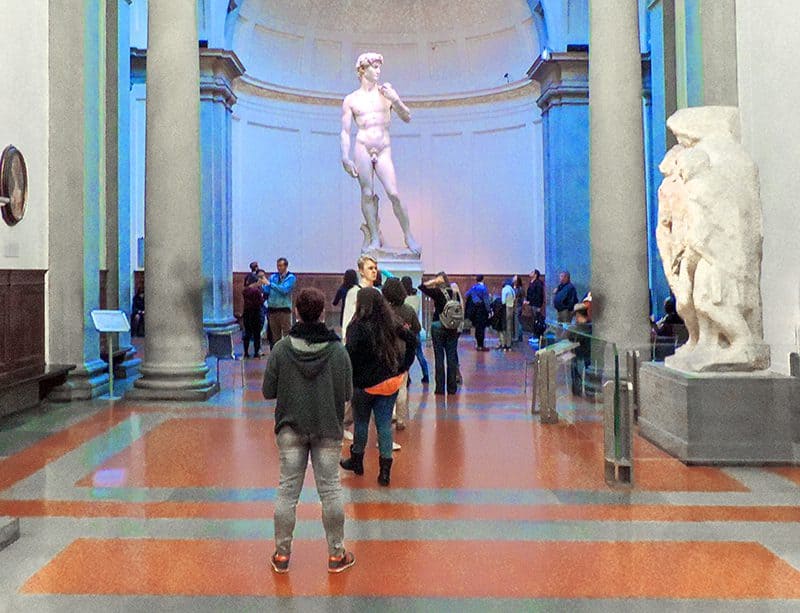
(311, 382)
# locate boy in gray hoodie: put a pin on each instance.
(309, 374)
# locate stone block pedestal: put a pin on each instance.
(721, 418)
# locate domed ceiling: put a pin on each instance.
(431, 48)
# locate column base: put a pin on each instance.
(177, 383)
(220, 326)
(83, 383)
(9, 531)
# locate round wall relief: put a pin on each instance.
(13, 185)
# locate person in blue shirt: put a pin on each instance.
(477, 310)
(281, 284)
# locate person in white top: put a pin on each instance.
(507, 296)
(368, 271)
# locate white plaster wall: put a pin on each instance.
(470, 177)
(428, 47)
(767, 42)
(24, 123)
(137, 143)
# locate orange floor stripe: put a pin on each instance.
(436, 569)
(789, 472)
(402, 512)
(241, 453)
(25, 463)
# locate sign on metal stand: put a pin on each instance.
(108, 322)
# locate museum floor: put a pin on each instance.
(144, 507)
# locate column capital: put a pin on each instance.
(218, 69)
(562, 77)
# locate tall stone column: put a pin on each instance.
(564, 101)
(660, 103)
(118, 196)
(706, 55)
(218, 69)
(74, 177)
(174, 367)
(620, 307)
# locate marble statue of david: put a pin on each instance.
(370, 106)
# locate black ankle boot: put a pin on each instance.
(386, 470)
(354, 463)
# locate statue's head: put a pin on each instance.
(690, 125)
(365, 60)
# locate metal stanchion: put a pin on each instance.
(633, 360)
(618, 434)
(547, 387)
(794, 364)
(534, 366)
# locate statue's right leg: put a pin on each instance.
(369, 204)
(369, 208)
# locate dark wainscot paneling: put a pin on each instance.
(21, 319)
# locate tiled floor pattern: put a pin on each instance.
(166, 506)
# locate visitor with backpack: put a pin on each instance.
(448, 317)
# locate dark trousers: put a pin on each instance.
(480, 321)
(253, 322)
(445, 354)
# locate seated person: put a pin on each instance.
(669, 332)
(580, 332)
(137, 313)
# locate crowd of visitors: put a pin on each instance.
(322, 382)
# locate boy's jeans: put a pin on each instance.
(294, 450)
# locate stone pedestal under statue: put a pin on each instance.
(400, 265)
(721, 418)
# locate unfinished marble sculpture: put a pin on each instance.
(709, 235)
(371, 106)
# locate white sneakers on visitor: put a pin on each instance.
(395, 446)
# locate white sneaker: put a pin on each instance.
(348, 436)
(395, 446)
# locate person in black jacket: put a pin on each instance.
(137, 313)
(350, 279)
(445, 341)
(535, 294)
(381, 351)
